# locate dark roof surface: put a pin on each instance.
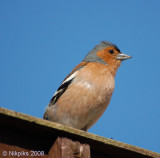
(49, 130)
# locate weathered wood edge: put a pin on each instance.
(74, 131)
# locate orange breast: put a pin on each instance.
(88, 96)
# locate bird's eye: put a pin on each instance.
(111, 51)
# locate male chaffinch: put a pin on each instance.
(85, 93)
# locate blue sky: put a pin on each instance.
(41, 41)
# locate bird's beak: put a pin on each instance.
(123, 57)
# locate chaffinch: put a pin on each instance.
(86, 92)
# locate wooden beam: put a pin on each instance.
(66, 148)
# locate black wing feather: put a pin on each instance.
(60, 91)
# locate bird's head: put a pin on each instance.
(106, 53)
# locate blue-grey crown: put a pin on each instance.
(92, 55)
